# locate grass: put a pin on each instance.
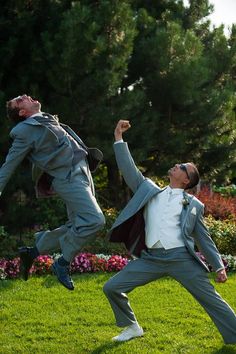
(40, 316)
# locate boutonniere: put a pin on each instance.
(185, 201)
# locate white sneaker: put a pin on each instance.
(128, 333)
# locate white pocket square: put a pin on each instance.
(194, 211)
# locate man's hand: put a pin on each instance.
(221, 276)
(121, 127)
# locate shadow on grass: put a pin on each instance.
(107, 346)
(50, 281)
(226, 349)
(6, 284)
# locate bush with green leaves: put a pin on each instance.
(227, 191)
(101, 244)
(9, 243)
(223, 232)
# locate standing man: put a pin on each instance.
(162, 226)
(61, 156)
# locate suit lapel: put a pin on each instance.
(74, 135)
(145, 192)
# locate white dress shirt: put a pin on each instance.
(162, 219)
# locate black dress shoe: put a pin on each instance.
(26, 261)
(62, 273)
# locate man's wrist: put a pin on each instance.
(118, 137)
(219, 269)
(119, 141)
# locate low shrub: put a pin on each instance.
(223, 232)
(227, 191)
(217, 205)
(224, 259)
(9, 243)
(231, 261)
(9, 268)
(42, 265)
(101, 244)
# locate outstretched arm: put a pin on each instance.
(132, 176)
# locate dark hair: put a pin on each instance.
(13, 113)
(194, 177)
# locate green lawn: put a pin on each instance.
(40, 316)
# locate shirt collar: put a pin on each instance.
(175, 191)
(36, 115)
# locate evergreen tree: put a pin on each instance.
(156, 63)
(183, 72)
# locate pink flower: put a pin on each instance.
(11, 267)
(116, 263)
(42, 265)
(83, 263)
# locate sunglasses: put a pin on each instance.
(183, 167)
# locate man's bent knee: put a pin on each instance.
(100, 222)
(108, 288)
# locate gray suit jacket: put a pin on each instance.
(129, 226)
(41, 146)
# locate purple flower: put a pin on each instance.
(81, 263)
(224, 260)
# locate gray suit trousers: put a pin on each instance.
(85, 217)
(180, 265)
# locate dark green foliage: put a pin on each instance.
(101, 244)
(50, 214)
(226, 191)
(94, 62)
(185, 77)
(223, 232)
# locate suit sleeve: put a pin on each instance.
(205, 243)
(18, 151)
(132, 176)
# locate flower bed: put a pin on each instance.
(228, 261)
(84, 263)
